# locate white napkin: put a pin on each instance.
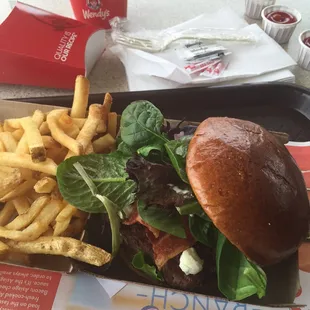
(157, 71)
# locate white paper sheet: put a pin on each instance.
(247, 60)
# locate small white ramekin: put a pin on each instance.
(253, 8)
(304, 51)
(281, 33)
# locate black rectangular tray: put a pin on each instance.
(278, 107)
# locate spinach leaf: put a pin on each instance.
(163, 219)
(125, 149)
(139, 263)
(237, 277)
(109, 206)
(191, 207)
(203, 231)
(106, 171)
(141, 124)
(146, 150)
(177, 151)
(114, 222)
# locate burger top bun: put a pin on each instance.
(250, 187)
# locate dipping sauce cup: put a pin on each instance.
(253, 8)
(304, 51)
(280, 21)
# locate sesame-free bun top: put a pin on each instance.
(250, 187)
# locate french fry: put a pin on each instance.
(89, 149)
(22, 221)
(60, 136)
(49, 232)
(68, 126)
(4, 248)
(17, 134)
(75, 228)
(79, 122)
(67, 212)
(112, 124)
(21, 205)
(43, 175)
(44, 129)
(102, 127)
(10, 182)
(89, 130)
(80, 98)
(60, 227)
(20, 190)
(22, 146)
(1, 127)
(57, 155)
(103, 143)
(50, 143)
(34, 139)
(80, 214)
(27, 174)
(7, 170)
(7, 127)
(25, 161)
(68, 247)
(32, 232)
(32, 195)
(38, 227)
(2, 148)
(45, 185)
(8, 141)
(38, 117)
(55, 194)
(7, 213)
(12, 123)
(107, 102)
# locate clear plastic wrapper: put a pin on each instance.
(202, 59)
(128, 34)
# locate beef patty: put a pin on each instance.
(135, 239)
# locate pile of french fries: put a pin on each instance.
(34, 218)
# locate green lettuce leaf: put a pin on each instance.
(139, 263)
(203, 230)
(166, 220)
(106, 171)
(237, 277)
(141, 125)
(177, 152)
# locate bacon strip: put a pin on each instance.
(135, 218)
(167, 247)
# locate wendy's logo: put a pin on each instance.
(94, 4)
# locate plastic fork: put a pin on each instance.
(158, 45)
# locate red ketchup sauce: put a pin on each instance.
(280, 17)
(306, 41)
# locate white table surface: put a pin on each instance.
(109, 74)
